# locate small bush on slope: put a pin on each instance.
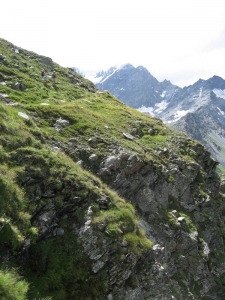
(12, 287)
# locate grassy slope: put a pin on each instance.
(26, 150)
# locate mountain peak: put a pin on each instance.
(125, 66)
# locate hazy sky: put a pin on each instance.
(178, 40)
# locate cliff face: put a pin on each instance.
(180, 219)
(99, 201)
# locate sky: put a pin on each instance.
(178, 40)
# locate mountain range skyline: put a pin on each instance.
(97, 75)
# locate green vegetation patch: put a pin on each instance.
(12, 286)
(122, 224)
(59, 269)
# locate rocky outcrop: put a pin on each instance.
(181, 210)
(179, 207)
(182, 221)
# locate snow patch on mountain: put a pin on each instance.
(145, 110)
(221, 112)
(92, 75)
(219, 93)
(179, 114)
(93, 78)
(105, 78)
(163, 94)
(99, 76)
(160, 107)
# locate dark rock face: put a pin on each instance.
(183, 223)
(179, 251)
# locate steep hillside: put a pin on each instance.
(97, 200)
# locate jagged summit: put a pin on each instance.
(98, 76)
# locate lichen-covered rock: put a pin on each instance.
(60, 124)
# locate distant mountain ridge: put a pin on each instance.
(135, 87)
(178, 107)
